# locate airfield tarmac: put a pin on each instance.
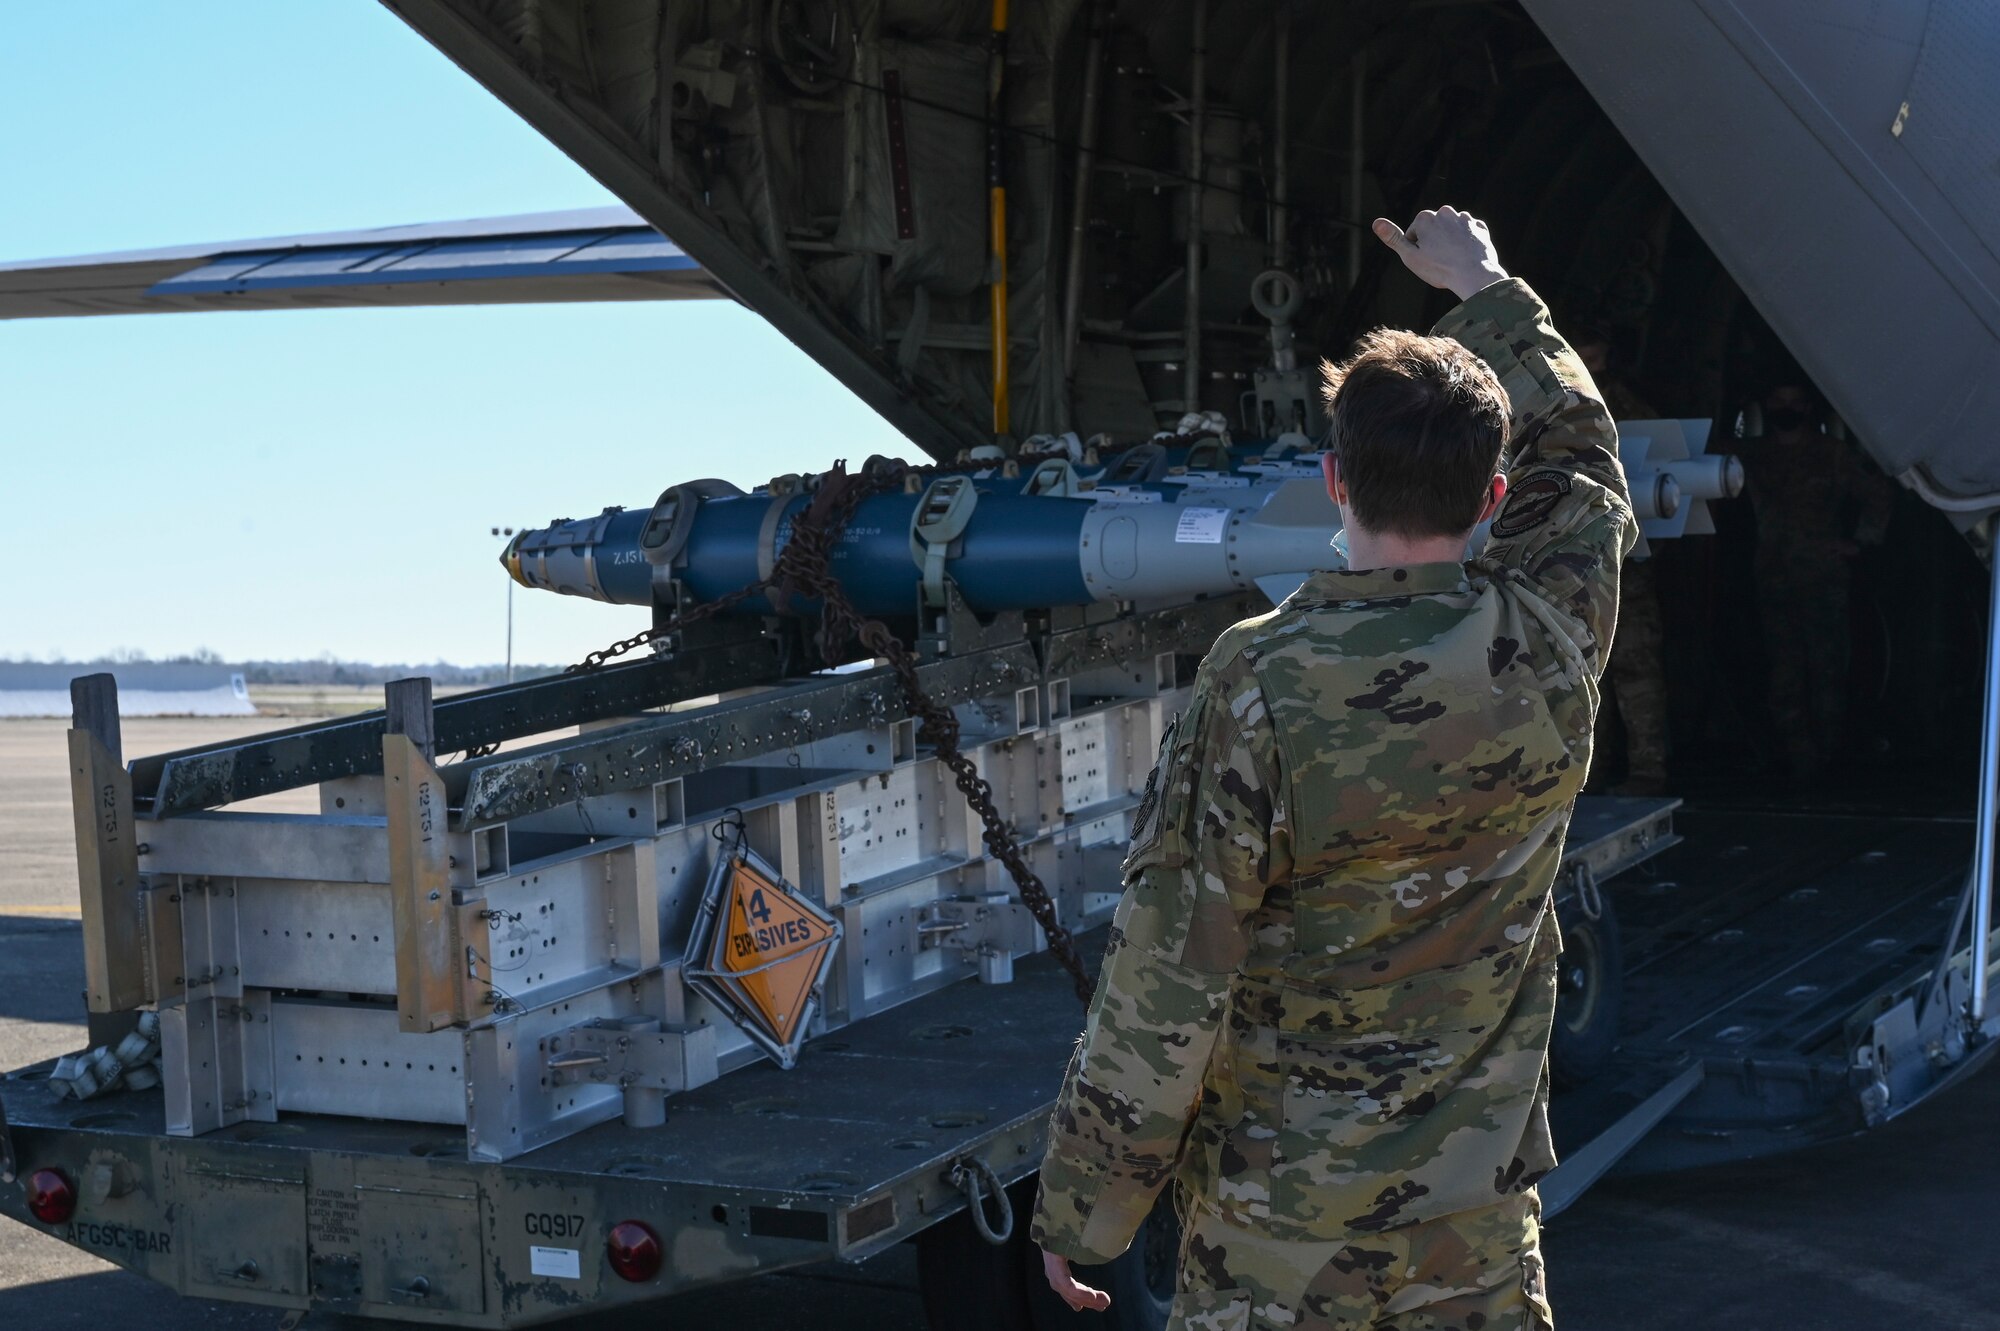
(1891, 1228)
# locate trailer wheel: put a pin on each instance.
(969, 1284)
(1140, 1282)
(1590, 992)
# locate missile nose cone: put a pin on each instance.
(510, 559)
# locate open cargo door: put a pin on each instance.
(1843, 162)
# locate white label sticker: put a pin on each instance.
(1201, 526)
(562, 1263)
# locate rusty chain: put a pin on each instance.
(685, 618)
(803, 573)
(603, 656)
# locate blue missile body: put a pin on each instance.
(1159, 540)
(1001, 562)
(1161, 524)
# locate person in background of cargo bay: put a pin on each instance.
(1817, 503)
(1638, 671)
(1325, 1007)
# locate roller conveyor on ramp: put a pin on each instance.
(1757, 953)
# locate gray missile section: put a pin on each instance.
(1673, 478)
(1218, 537)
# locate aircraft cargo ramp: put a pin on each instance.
(1755, 953)
(1754, 947)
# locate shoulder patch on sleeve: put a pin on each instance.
(1145, 818)
(1162, 825)
(1530, 503)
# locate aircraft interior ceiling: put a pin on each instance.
(828, 163)
(834, 164)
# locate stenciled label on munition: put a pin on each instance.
(1201, 526)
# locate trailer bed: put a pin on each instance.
(1758, 950)
(761, 1169)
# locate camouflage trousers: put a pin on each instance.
(1639, 680)
(1804, 605)
(1475, 1271)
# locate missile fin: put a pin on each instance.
(1300, 503)
(1278, 586)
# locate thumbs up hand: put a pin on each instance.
(1446, 248)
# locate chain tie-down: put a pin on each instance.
(803, 574)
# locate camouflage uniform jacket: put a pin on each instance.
(1326, 997)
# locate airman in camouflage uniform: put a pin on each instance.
(1638, 671)
(1818, 501)
(1325, 1007)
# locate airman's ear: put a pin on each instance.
(1329, 467)
(1496, 494)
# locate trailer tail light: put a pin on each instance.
(634, 1251)
(53, 1199)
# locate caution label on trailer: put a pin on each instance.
(772, 947)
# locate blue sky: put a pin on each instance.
(284, 484)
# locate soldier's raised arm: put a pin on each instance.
(1567, 521)
(1209, 837)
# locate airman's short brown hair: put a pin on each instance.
(1418, 427)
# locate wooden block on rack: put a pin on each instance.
(107, 853)
(431, 966)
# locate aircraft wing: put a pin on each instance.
(586, 255)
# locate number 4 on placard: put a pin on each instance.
(759, 911)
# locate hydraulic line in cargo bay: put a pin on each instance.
(1079, 207)
(996, 204)
(1197, 127)
(1281, 176)
(1989, 772)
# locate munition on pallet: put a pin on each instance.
(1155, 525)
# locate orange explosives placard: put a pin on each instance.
(766, 950)
(771, 948)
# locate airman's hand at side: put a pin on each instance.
(1069, 1289)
